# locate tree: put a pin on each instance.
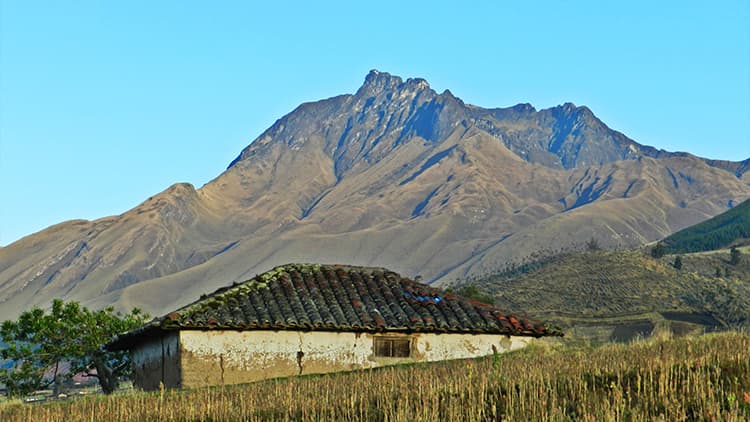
(472, 292)
(39, 342)
(734, 255)
(593, 245)
(658, 250)
(677, 262)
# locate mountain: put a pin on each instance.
(732, 226)
(395, 175)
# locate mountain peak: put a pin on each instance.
(377, 82)
(416, 83)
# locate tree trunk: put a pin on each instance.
(58, 385)
(57, 380)
(106, 375)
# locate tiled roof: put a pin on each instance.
(338, 298)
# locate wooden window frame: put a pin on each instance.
(392, 347)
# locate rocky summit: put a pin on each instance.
(395, 175)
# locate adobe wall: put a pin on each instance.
(157, 360)
(218, 357)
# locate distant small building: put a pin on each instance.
(306, 319)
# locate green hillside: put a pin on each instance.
(715, 233)
(619, 295)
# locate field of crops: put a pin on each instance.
(704, 378)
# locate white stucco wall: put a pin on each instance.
(436, 347)
(228, 357)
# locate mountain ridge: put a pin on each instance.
(394, 175)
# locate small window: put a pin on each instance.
(392, 347)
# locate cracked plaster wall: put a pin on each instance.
(229, 357)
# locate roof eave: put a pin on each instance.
(126, 341)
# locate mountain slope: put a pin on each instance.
(395, 175)
(616, 295)
(720, 231)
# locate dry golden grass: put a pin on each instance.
(703, 378)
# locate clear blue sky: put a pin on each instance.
(103, 104)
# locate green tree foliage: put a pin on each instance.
(39, 342)
(658, 250)
(734, 256)
(472, 292)
(712, 234)
(677, 262)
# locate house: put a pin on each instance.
(307, 318)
